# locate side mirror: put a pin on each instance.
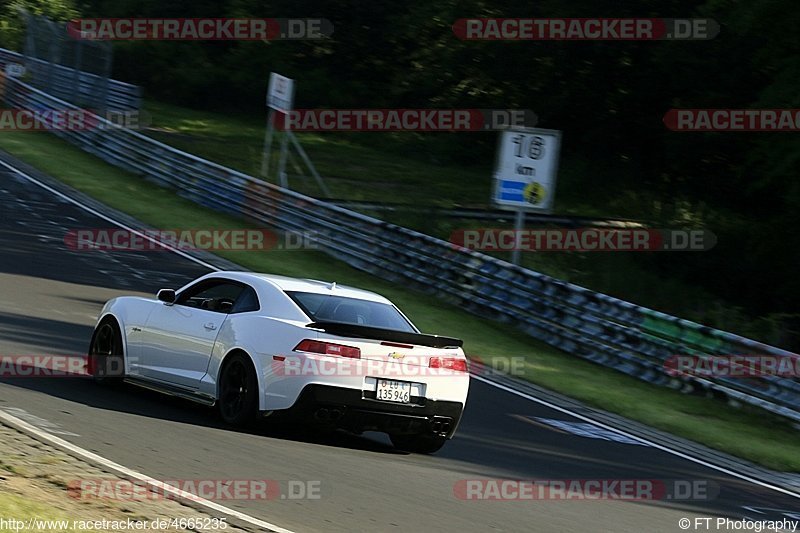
(167, 296)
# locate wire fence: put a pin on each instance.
(72, 69)
(121, 97)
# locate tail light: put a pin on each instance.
(328, 348)
(397, 345)
(448, 363)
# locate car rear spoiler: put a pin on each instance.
(343, 329)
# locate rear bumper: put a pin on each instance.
(358, 411)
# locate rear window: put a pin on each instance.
(330, 308)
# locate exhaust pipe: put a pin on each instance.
(441, 424)
(322, 415)
(335, 414)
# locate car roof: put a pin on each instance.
(288, 284)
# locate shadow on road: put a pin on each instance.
(130, 399)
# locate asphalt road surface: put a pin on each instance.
(49, 299)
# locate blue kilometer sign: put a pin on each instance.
(525, 171)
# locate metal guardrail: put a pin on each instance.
(76, 86)
(608, 331)
(493, 215)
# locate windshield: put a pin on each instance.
(331, 308)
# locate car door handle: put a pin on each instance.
(210, 325)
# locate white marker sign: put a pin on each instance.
(525, 172)
(280, 94)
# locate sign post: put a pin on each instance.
(267, 146)
(280, 97)
(525, 174)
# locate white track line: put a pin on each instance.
(158, 486)
(106, 218)
(479, 378)
(640, 439)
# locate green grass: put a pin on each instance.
(22, 509)
(392, 167)
(747, 433)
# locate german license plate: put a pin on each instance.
(394, 391)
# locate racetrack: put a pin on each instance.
(50, 297)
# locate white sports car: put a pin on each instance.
(261, 345)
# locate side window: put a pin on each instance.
(211, 295)
(247, 301)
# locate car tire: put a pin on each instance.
(418, 443)
(238, 391)
(106, 358)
